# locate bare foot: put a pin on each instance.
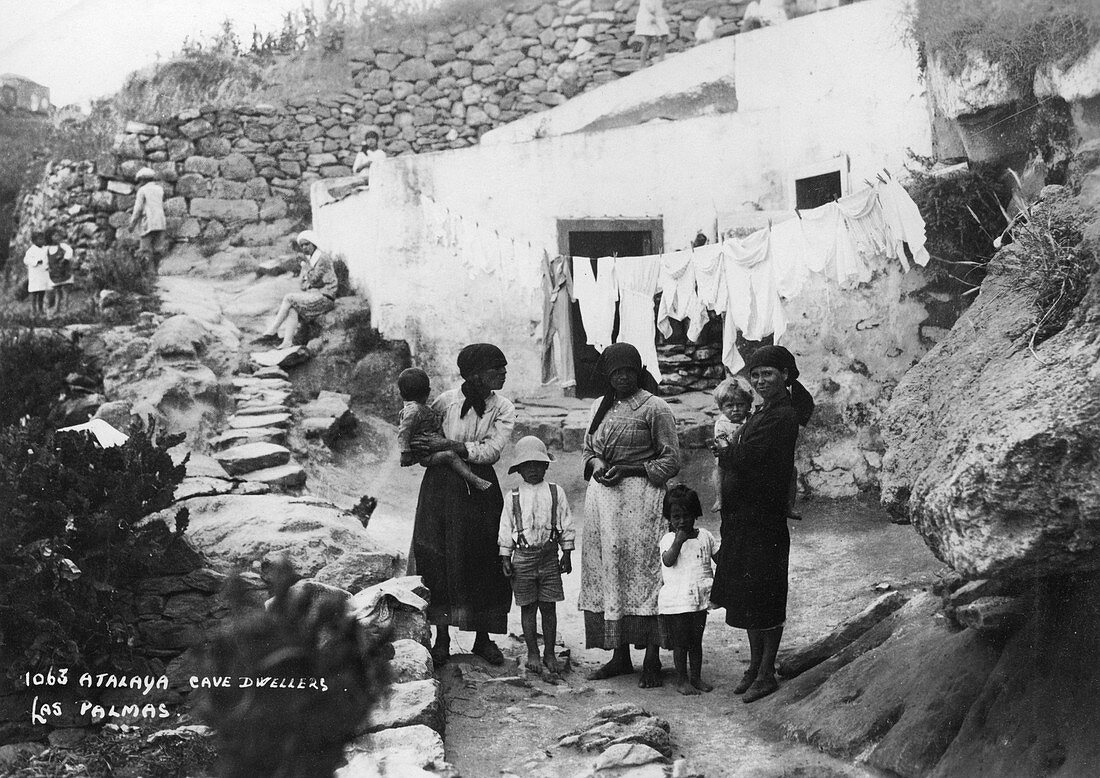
(533, 663)
(685, 686)
(610, 670)
(717, 507)
(702, 685)
(551, 663)
(651, 676)
(480, 483)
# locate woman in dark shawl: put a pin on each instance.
(455, 532)
(630, 452)
(750, 581)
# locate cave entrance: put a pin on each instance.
(592, 239)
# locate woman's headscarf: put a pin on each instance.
(474, 359)
(614, 357)
(782, 359)
(308, 236)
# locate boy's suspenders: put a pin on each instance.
(517, 517)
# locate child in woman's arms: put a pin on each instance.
(735, 403)
(418, 419)
(534, 524)
(687, 575)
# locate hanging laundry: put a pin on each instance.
(850, 267)
(596, 295)
(904, 223)
(819, 233)
(557, 321)
(679, 300)
(866, 225)
(710, 282)
(637, 279)
(754, 306)
(788, 249)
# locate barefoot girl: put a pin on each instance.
(687, 574)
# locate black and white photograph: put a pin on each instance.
(549, 388)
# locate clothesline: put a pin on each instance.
(746, 280)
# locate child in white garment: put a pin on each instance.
(687, 576)
(735, 403)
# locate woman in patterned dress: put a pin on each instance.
(630, 452)
(454, 544)
(318, 296)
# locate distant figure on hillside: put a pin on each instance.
(59, 259)
(38, 273)
(763, 13)
(318, 296)
(368, 154)
(149, 212)
(652, 22)
(706, 29)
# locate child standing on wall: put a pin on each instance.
(687, 576)
(534, 524)
(418, 419)
(38, 273)
(651, 23)
(735, 403)
(59, 258)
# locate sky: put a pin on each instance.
(83, 49)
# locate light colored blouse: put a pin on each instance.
(149, 208)
(639, 430)
(485, 436)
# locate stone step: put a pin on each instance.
(252, 435)
(270, 396)
(410, 703)
(250, 457)
(271, 372)
(283, 357)
(289, 475)
(263, 420)
(252, 383)
(260, 409)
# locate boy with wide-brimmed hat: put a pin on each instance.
(534, 524)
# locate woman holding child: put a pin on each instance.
(750, 581)
(454, 543)
(630, 451)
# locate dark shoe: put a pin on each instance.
(489, 652)
(760, 688)
(746, 682)
(440, 655)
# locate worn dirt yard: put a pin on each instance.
(840, 552)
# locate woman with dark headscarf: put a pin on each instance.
(750, 580)
(455, 533)
(630, 452)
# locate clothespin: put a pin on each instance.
(881, 179)
(798, 214)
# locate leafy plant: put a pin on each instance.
(963, 214)
(121, 270)
(71, 540)
(33, 368)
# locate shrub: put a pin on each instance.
(120, 269)
(362, 336)
(1056, 257)
(305, 634)
(1019, 35)
(71, 540)
(33, 368)
(963, 215)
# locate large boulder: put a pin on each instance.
(993, 445)
(243, 530)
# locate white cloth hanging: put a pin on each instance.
(596, 295)
(819, 234)
(637, 279)
(710, 284)
(863, 213)
(679, 300)
(788, 250)
(850, 267)
(754, 306)
(904, 223)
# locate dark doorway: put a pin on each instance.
(817, 190)
(592, 239)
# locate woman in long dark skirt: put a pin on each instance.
(455, 533)
(750, 580)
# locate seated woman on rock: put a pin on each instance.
(318, 295)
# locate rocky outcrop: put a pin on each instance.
(993, 447)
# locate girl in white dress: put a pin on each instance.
(38, 273)
(652, 22)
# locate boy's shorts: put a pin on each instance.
(536, 576)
